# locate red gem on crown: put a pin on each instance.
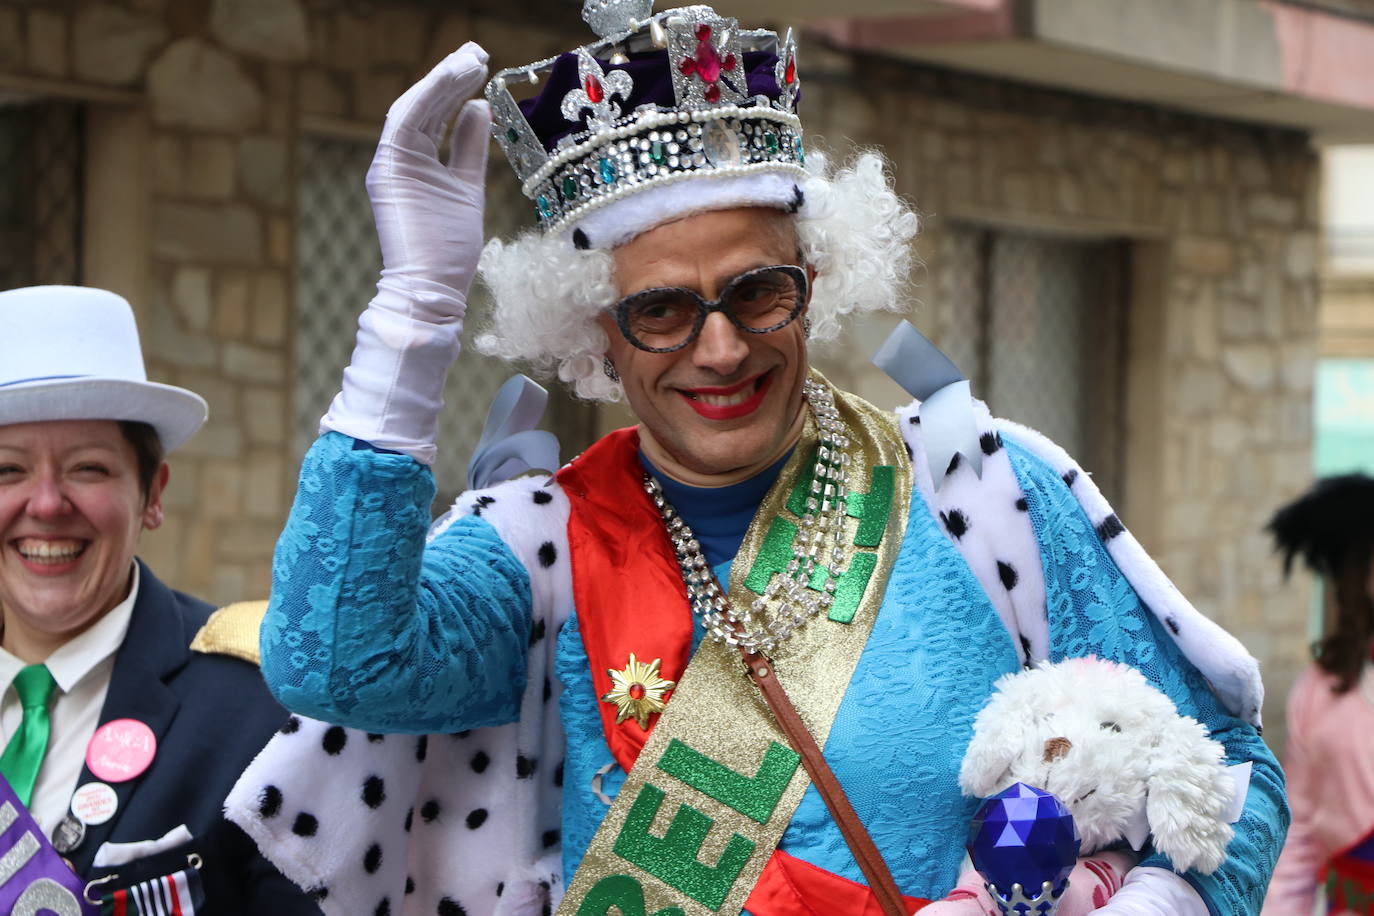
(592, 86)
(790, 74)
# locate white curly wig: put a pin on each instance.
(853, 227)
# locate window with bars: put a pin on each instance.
(1037, 324)
(337, 266)
(41, 158)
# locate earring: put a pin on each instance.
(608, 367)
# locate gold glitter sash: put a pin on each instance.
(714, 788)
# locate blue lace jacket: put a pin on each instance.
(371, 628)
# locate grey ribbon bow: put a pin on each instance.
(947, 423)
(510, 445)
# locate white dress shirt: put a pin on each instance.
(82, 668)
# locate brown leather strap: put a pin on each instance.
(860, 843)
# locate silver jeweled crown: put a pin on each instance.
(712, 126)
(1018, 902)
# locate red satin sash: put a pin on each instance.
(630, 598)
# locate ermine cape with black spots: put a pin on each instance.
(469, 823)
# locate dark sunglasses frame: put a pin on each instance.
(704, 307)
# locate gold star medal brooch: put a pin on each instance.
(637, 692)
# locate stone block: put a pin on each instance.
(169, 164)
(1199, 391)
(264, 415)
(1240, 320)
(11, 39)
(271, 307)
(161, 549)
(272, 29)
(231, 303)
(221, 394)
(216, 439)
(264, 170)
(1252, 366)
(1301, 256)
(47, 45)
(279, 240)
(375, 90)
(193, 84)
(114, 45)
(222, 234)
(248, 541)
(228, 585)
(191, 297)
(253, 364)
(221, 489)
(265, 486)
(209, 168)
(171, 344)
(320, 92)
(351, 41)
(1298, 365)
(182, 484)
(1272, 208)
(1203, 255)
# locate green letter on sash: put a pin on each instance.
(622, 893)
(753, 796)
(673, 859)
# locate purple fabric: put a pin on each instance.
(653, 84)
(1364, 852)
(40, 861)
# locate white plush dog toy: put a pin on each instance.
(1115, 750)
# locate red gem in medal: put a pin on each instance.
(637, 691)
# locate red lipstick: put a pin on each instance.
(728, 411)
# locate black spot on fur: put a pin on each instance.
(914, 419)
(580, 240)
(1026, 648)
(1008, 575)
(558, 775)
(269, 802)
(550, 838)
(547, 554)
(422, 748)
(374, 792)
(910, 455)
(372, 859)
(953, 464)
(1021, 505)
(291, 725)
(450, 907)
(383, 908)
(798, 199)
(537, 631)
(461, 735)
(990, 442)
(525, 766)
(317, 894)
(410, 884)
(476, 818)
(482, 503)
(334, 740)
(541, 497)
(429, 811)
(956, 522)
(410, 817)
(305, 825)
(500, 888)
(480, 762)
(1172, 624)
(548, 690)
(1110, 527)
(374, 738)
(1070, 476)
(1111, 726)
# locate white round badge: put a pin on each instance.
(94, 803)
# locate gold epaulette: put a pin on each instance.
(232, 630)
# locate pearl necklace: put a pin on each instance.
(818, 549)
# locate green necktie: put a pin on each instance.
(24, 754)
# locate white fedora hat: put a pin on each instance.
(72, 353)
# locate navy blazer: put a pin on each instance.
(211, 715)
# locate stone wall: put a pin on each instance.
(195, 105)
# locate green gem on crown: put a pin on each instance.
(569, 188)
(657, 152)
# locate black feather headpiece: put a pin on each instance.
(1327, 524)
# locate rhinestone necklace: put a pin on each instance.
(818, 552)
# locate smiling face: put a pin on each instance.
(71, 510)
(730, 403)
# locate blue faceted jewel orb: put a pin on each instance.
(1023, 835)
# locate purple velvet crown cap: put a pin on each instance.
(653, 85)
(1026, 836)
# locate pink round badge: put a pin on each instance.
(121, 750)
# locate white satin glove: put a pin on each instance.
(429, 223)
(1155, 892)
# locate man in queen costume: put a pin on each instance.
(539, 703)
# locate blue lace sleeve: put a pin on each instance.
(368, 627)
(1094, 611)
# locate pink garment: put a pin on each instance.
(1330, 768)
